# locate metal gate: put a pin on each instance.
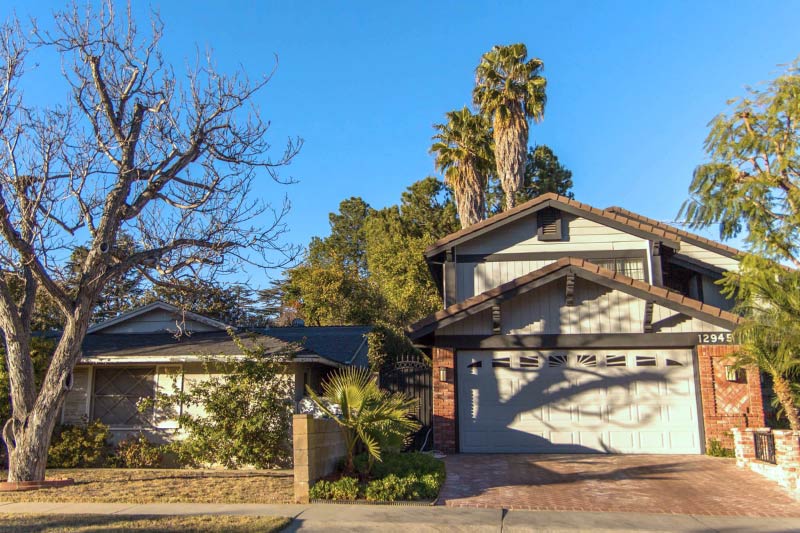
(412, 375)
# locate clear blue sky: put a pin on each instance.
(631, 85)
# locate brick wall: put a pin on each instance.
(786, 471)
(727, 404)
(445, 407)
(319, 445)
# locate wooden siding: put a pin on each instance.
(156, 321)
(475, 278)
(597, 309)
(668, 321)
(707, 256)
(580, 234)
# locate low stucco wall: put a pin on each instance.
(319, 445)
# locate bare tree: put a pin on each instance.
(137, 150)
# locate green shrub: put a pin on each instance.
(80, 446)
(716, 449)
(411, 487)
(400, 464)
(138, 452)
(346, 488)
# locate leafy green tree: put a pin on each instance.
(750, 187)
(246, 412)
(233, 303)
(510, 89)
(347, 240)
(543, 173)
(751, 184)
(462, 146)
(369, 415)
(770, 336)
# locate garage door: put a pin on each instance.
(578, 401)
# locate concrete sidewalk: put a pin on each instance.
(384, 518)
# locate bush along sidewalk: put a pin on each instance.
(397, 477)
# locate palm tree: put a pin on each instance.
(369, 414)
(463, 154)
(510, 89)
(770, 335)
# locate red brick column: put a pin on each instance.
(445, 409)
(727, 404)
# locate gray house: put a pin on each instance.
(568, 328)
(159, 346)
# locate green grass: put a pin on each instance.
(35, 523)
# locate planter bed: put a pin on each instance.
(399, 479)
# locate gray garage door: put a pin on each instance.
(641, 401)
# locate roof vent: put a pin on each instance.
(298, 323)
(548, 221)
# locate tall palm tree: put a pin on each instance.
(770, 336)
(463, 154)
(510, 89)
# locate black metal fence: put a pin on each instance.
(765, 447)
(412, 376)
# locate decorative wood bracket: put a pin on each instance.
(648, 317)
(570, 291)
(496, 319)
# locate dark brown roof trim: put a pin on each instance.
(583, 269)
(568, 205)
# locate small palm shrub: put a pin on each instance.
(369, 415)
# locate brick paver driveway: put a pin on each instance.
(683, 484)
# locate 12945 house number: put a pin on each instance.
(715, 338)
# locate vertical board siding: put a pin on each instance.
(597, 309)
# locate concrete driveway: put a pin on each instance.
(676, 484)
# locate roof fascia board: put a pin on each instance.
(581, 273)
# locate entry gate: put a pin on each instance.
(413, 376)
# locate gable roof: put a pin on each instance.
(689, 237)
(583, 269)
(616, 217)
(164, 306)
(341, 345)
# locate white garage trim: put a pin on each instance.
(616, 401)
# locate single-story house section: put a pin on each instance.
(139, 353)
(568, 328)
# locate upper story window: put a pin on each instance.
(633, 267)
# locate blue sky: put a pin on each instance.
(631, 85)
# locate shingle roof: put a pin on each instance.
(344, 345)
(685, 235)
(582, 268)
(615, 215)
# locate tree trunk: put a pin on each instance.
(783, 390)
(27, 457)
(27, 434)
(511, 149)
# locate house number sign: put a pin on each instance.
(715, 338)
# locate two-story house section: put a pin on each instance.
(568, 328)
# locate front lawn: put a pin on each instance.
(112, 485)
(33, 523)
(400, 476)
